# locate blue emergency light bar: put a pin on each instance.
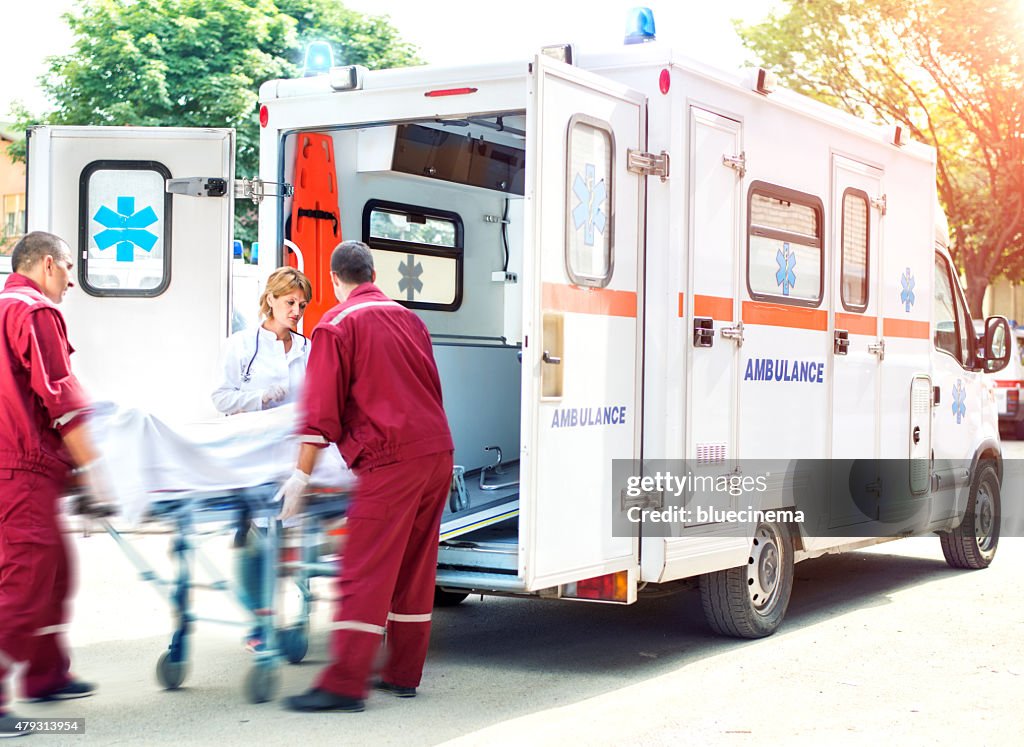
(639, 26)
(319, 59)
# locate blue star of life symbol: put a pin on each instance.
(959, 395)
(786, 261)
(125, 228)
(410, 282)
(907, 294)
(588, 214)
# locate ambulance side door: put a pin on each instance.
(583, 313)
(857, 356)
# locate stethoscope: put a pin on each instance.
(247, 376)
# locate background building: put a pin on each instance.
(12, 193)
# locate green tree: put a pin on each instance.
(953, 73)
(200, 63)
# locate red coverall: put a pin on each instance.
(39, 399)
(372, 387)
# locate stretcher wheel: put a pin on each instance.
(261, 683)
(294, 643)
(170, 674)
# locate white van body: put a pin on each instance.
(633, 263)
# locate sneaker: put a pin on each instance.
(397, 690)
(9, 724)
(74, 689)
(255, 645)
(316, 699)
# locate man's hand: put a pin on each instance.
(293, 494)
(102, 500)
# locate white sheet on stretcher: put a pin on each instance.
(148, 458)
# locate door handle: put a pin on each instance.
(703, 332)
(554, 360)
(841, 344)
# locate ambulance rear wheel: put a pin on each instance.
(749, 601)
(444, 598)
(170, 674)
(973, 543)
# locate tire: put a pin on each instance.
(261, 683)
(170, 674)
(973, 544)
(444, 598)
(294, 643)
(749, 601)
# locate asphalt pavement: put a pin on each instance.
(883, 646)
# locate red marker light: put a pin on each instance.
(264, 116)
(450, 92)
(664, 81)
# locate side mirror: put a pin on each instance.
(997, 344)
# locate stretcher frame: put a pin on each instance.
(185, 513)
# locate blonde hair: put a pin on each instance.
(281, 281)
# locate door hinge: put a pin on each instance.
(737, 163)
(879, 203)
(733, 333)
(255, 189)
(648, 164)
(878, 349)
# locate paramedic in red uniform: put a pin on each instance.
(372, 387)
(43, 434)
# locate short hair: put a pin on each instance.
(281, 281)
(352, 262)
(36, 246)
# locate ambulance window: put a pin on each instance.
(417, 253)
(125, 247)
(953, 326)
(588, 200)
(855, 250)
(784, 250)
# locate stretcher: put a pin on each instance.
(215, 480)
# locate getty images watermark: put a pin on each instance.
(682, 495)
(817, 497)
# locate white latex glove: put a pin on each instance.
(273, 394)
(293, 494)
(102, 498)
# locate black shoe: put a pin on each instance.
(316, 699)
(9, 726)
(70, 691)
(397, 690)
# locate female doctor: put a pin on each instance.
(265, 367)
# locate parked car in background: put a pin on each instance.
(1009, 388)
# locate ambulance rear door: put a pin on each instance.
(151, 306)
(583, 310)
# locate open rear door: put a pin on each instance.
(583, 306)
(151, 306)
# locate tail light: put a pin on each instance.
(612, 587)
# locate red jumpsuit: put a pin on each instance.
(372, 387)
(39, 399)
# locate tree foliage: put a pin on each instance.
(953, 73)
(200, 63)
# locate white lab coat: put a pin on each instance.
(267, 364)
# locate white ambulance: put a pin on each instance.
(624, 256)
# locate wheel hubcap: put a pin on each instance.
(984, 519)
(763, 569)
